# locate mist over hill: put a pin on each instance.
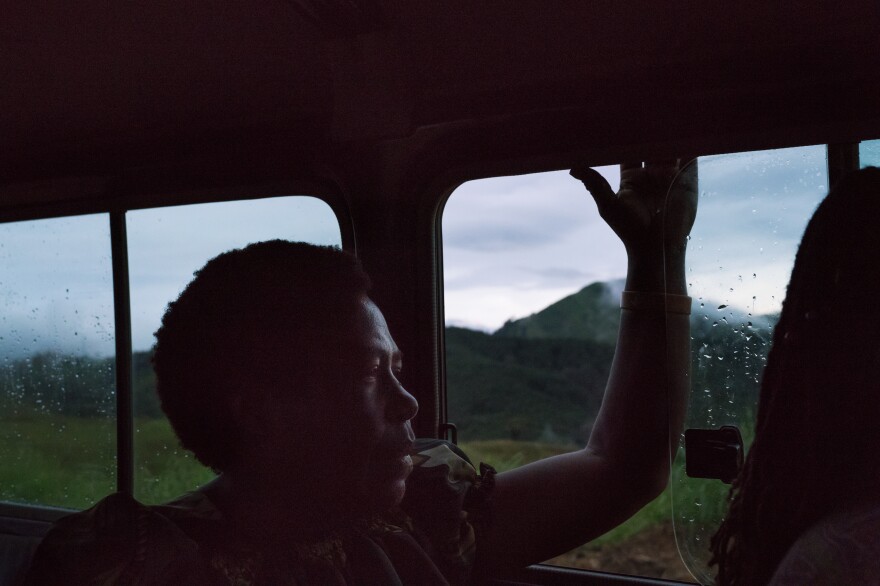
(589, 314)
(542, 377)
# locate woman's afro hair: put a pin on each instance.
(246, 324)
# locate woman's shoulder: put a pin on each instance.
(842, 548)
(117, 541)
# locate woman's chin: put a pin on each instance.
(392, 488)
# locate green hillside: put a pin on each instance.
(541, 378)
(523, 389)
(589, 314)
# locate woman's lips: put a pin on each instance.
(397, 467)
(403, 466)
(395, 461)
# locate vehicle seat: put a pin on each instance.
(18, 541)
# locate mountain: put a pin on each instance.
(521, 388)
(537, 378)
(590, 314)
(542, 377)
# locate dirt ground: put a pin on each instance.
(649, 553)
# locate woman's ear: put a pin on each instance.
(252, 414)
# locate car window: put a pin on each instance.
(58, 388)
(753, 209)
(57, 362)
(532, 279)
(166, 246)
(869, 153)
(532, 282)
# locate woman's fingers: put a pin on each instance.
(595, 184)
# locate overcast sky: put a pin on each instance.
(512, 246)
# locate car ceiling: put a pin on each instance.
(92, 86)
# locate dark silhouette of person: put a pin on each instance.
(277, 370)
(804, 509)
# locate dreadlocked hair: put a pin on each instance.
(820, 391)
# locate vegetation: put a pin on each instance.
(526, 392)
(519, 383)
(57, 460)
(524, 389)
(82, 386)
(69, 461)
(74, 464)
(584, 315)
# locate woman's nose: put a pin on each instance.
(405, 405)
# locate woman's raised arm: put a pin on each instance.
(551, 506)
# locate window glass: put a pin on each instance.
(57, 374)
(753, 209)
(532, 279)
(166, 246)
(869, 153)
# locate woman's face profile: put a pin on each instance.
(349, 437)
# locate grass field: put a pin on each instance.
(70, 462)
(508, 454)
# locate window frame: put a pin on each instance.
(103, 195)
(841, 158)
(115, 208)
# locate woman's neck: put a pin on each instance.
(264, 514)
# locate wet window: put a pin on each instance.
(869, 153)
(753, 209)
(57, 354)
(532, 282)
(166, 245)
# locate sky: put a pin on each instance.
(511, 246)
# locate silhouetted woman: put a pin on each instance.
(806, 506)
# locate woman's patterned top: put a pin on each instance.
(429, 540)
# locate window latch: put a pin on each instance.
(449, 432)
(713, 453)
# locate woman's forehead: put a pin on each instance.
(370, 330)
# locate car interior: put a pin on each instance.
(380, 109)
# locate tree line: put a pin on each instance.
(81, 386)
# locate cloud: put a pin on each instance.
(512, 213)
(167, 245)
(513, 245)
(869, 153)
(56, 283)
(559, 274)
(56, 287)
(752, 213)
(502, 238)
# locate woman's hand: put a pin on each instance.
(652, 213)
(636, 211)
